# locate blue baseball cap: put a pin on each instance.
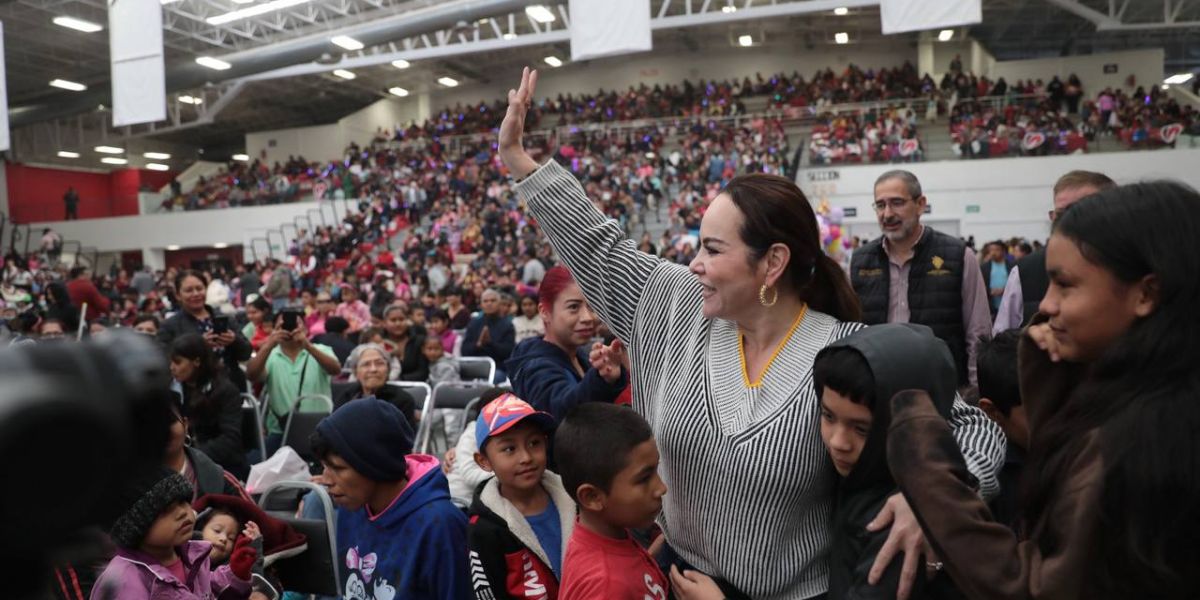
(503, 414)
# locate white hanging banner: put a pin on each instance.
(135, 38)
(4, 141)
(609, 28)
(899, 16)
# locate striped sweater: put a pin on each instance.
(750, 485)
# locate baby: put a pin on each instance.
(221, 528)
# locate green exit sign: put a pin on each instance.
(972, 208)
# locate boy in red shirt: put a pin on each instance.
(609, 464)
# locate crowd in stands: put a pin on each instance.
(875, 136)
(548, 482)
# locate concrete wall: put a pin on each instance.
(185, 229)
(1012, 195)
(322, 142)
(1146, 66)
(386, 113)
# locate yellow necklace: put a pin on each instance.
(778, 349)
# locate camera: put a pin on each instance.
(291, 319)
(76, 421)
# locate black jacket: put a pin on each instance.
(542, 375)
(901, 356)
(182, 323)
(388, 393)
(413, 364)
(215, 420)
(935, 280)
(500, 538)
(502, 338)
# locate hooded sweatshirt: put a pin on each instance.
(543, 376)
(415, 549)
(901, 356)
(505, 547)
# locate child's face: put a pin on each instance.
(221, 531)
(1089, 308)
(433, 349)
(517, 456)
(844, 429)
(634, 499)
(172, 528)
(437, 325)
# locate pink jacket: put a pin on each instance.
(132, 575)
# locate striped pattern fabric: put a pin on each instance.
(750, 485)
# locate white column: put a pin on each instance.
(925, 62)
(154, 258)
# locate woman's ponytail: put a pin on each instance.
(829, 291)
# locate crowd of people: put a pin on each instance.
(1028, 128)
(870, 137)
(869, 417)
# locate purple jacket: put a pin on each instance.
(132, 575)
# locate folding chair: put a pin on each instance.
(419, 390)
(252, 427)
(341, 387)
(302, 422)
(477, 368)
(314, 571)
(443, 423)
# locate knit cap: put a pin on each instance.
(372, 436)
(146, 496)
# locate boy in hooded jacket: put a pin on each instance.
(398, 535)
(855, 379)
(522, 517)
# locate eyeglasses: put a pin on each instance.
(895, 202)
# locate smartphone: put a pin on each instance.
(291, 320)
(221, 324)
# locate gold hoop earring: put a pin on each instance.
(762, 295)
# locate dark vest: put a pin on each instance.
(1034, 283)
(935, 277)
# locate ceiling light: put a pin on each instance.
(1178, 78)
(539, 13)
(67, 154)
(401, 63)
(77, 24)
(167, 1)
(63, 84)
(112, 160)
(728, 8)
(344, 74)
(745, 40)
(157, 155)
(398, 91)
(109, 149)
(1164, 87)
(509, 36)
(448, 81)
(220, 245)
(945, 35)
(173, 247)
(191, 99)
(346, 42)
(212, 63)
(553, 61)
(241, 157)
(841, 11)
(241, 1)
(841, 37)
(253, 11)
(157, 167)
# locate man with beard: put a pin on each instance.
(914, 274)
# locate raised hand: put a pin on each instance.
(512, 152)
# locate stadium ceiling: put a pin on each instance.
(282, 60)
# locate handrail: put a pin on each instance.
(320, 213)
(271, 248)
